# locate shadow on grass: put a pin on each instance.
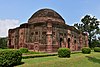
(93, 59)
(19, 64)
(76, 52)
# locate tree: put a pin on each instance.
(90, 25)
(95, 43)
(3, 42)
(99, 38)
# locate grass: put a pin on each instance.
(76, 60)
(6, 49)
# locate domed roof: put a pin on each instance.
(44, 14)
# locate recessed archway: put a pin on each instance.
(61, 41)
(68, 42)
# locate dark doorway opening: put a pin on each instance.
(61, 41)
(9, 41)
(74, 41)
(68, 42)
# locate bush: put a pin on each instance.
(97, 49)
(24, 50)
(37, 55)
(64, 52)
(9, 58)
(86, 50)
(32, 52)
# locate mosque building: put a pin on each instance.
(46, 31)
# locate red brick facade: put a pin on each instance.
(46, 31)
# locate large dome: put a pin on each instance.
(45, 14)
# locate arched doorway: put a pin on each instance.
(61, 41)
(68, 42)
(75, 45)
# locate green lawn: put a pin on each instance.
(76, 60)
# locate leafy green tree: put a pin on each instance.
(99, 38)
(89, 25)
(3, 42)
(95, 43)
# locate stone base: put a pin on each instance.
(49, 48)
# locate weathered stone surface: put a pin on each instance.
(46, 31)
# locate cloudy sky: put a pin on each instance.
(15, 12)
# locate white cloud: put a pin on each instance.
(99, 23)
(7, 24)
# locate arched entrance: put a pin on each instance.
(68, 42)
(61, 41)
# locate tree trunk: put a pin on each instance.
(90, 37)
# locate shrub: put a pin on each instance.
(24, 50)
(37, 55)
(86, 50)
(64, 52)
(32, 52)
(9, 58)
(97, 49)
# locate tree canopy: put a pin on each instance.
(89, 25)
(3, 42)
